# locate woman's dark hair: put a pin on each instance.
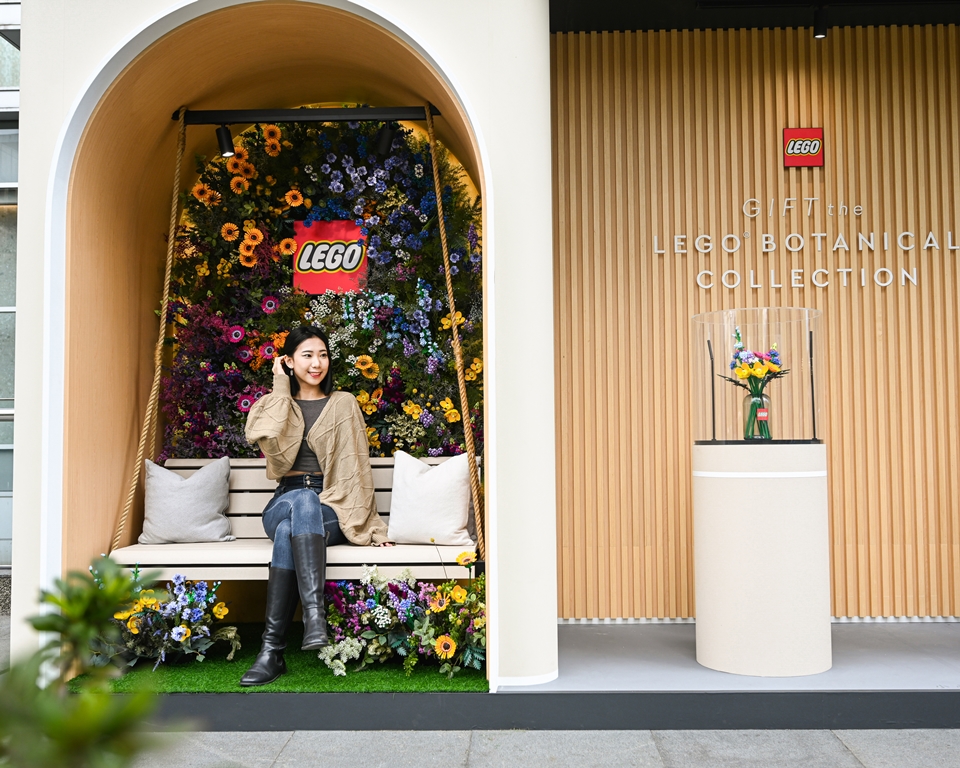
(295, 338)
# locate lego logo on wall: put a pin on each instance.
(802, 147)
(330, 256)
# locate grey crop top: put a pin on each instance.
(306, 460)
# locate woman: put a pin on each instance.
(315, 443)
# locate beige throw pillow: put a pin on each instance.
(179, 509)
(430, 505)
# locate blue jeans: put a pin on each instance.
(293, 512)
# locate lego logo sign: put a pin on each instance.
(802, 147)
(330, 256)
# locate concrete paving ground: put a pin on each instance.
(532, 749)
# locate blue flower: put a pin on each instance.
(371, 603)
(331, 158)
(325, 168)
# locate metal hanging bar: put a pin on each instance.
(321, 115)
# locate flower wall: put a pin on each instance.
(233, 301)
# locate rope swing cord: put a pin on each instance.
(148, 431)
(475, 489)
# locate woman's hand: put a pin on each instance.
(385, 544)
(278, 366)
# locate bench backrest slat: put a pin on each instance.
(250, 490)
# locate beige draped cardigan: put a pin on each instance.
(339, 438)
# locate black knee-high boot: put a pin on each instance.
(282, 596)
(310, 557)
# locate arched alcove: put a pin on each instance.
(248, 56)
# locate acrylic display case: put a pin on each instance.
(761, 528)
(783, 404)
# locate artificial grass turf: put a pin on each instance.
(305, 673)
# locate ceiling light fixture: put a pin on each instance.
(820, 22)
(225, 140)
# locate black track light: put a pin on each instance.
(384, 140)
(225, 140)
(820, 22)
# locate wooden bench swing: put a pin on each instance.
(248, 557)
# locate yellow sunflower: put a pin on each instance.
(200, 191)
(466, 558)
(239, 185)
(212, 198)
(288, 246)
(364, 361)
(458, 594)
(229, 232)
(445, 647)
(439, 602)
(248, 259)
(271, 133)
(247, 248)
(248, 171)
(377, 393)
(254, 236)
(372, 372)
(240, 153)
(234, 164)
(293, 198)
(272, 148)
(220, 610)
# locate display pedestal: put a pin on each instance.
(762, 551)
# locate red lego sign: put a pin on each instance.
(803, 147)
(330, 256)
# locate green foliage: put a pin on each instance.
(41, 724)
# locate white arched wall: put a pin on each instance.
(500, 83)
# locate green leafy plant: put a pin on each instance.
(41, 724)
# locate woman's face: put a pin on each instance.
(310, 363)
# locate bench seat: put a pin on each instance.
(248, 557)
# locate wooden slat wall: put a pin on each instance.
(665, 133)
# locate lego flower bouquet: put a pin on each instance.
(753, 371)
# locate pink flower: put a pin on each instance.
(270, 304)
(267, 351)
(235, 333)
(245, 354)
(245, 402)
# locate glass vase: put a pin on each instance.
(756, 417)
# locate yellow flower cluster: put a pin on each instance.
(368, 403)
(412, 410)
(450, 413)
(223, 268)
(475, 368)
(448, 321)
(129, 614)
(373, 437)
(202, 269)
(759, 369)
(367, 367)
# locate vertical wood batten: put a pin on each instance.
(666, 133)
